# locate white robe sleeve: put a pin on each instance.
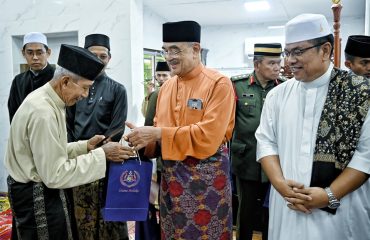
(266, 132)
(361, 158)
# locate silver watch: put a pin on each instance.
(334, 203)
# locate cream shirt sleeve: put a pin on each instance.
(56, 162)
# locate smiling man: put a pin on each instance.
(38, 158)
(193, 121)
(357, 53)
(36, 52)
(313, 142)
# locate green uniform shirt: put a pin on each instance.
(250, 98)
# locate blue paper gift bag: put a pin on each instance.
(128, 188)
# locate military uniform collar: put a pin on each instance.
(254, 80)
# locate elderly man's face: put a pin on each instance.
(181, 56)
(36, 56)
(75, 90)
(307, 62)
(360, 66)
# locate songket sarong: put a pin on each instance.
(40, 212)
(196, 198)
(88, 201)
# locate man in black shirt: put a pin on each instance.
(36, 52)
(103, 111)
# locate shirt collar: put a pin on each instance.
(54, 96)
(254, 80)
(193, 73)
(37, 73)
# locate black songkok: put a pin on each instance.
(162, 66)
(184, 31)
(358, 46)
(80, 61)
(267, 49)
(97, 40)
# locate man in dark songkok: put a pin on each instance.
(357, 53)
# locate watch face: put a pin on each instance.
(334, 204)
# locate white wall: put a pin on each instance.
(226, 43)
(152, 29)
(121, 20)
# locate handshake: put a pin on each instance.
(138, 138)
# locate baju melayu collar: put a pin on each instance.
(320, 81)
(55, 97)
(193, 73)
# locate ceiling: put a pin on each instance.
(223, 12)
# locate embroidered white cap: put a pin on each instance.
(306, 27)
(35, 37)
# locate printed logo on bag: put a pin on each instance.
(130, 178)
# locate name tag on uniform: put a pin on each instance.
(195, 103)
(248, 95)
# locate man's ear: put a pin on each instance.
(326, 48)
(23, 53)
(48, 52)
(196, 48)
(65, 81)
(348, 64)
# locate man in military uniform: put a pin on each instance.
(357, 53)
(252, 184)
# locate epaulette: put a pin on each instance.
(239, 77)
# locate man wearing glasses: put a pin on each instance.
(194, 119)
(36, 52)
(313, 142)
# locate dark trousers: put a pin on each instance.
(251, 213)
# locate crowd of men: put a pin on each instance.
(299, 148)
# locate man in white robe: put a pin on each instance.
(38, 158)
(286, 145)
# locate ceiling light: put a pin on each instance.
(276, 27)
(256, 6)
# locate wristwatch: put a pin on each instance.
(334, 203)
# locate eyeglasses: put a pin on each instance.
(171, 53)
(299, 52)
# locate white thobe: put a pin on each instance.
(37, 148)
(288, 128)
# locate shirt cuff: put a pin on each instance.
(360, 164)
(263, 151)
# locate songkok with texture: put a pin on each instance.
(162, 66)
(358, 46)
(267, 49)
(35, 37)
(306, 27)
(184, 31)
(80, 61)
(97, 40)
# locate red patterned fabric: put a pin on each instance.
(196, 198)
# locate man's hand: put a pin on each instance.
(115, 152)
(296, 200)
(140, 137)
(319, 198)
(91, 143)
